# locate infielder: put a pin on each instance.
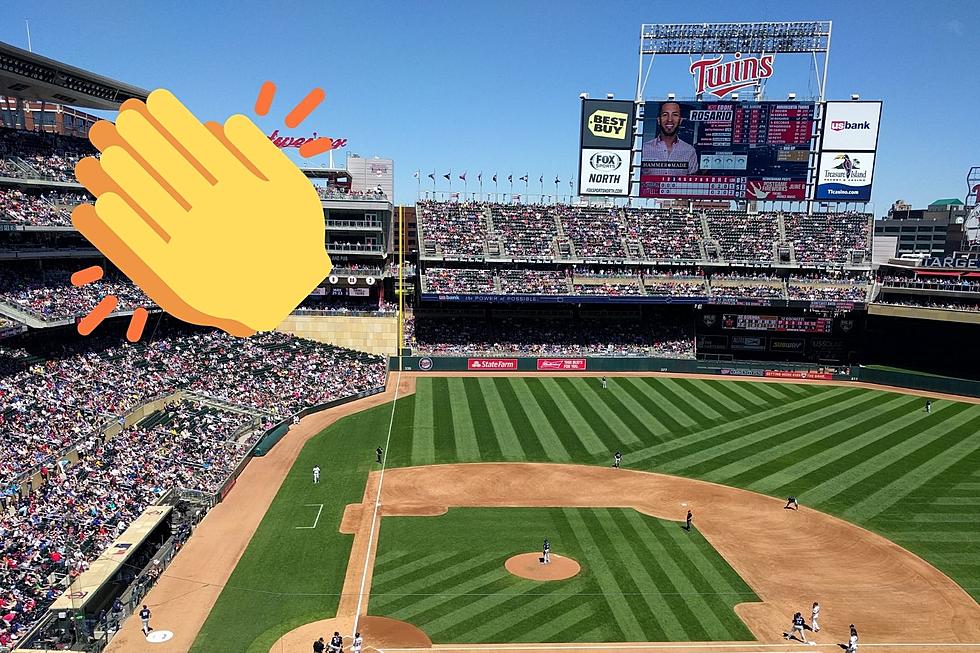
(690, 518)
(814, 615)
(546, 552)
(617, 459)
(852, 642)
(378, 452)
(792, 503)
(316, 474)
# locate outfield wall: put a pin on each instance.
(768, 369)
(916, 381)
(373, 334)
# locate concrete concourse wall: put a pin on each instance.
(375, 335)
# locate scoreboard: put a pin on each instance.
(784, 323)
(727, 150)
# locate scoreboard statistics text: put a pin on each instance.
(726, 150)
(785, 323)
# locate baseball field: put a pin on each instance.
(480, 469)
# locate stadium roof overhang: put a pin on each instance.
(30, 76)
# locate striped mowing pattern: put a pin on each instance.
(446, 575)
(873, 458)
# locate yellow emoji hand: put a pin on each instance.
(213, 222)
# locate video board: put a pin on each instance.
(726, 150)
(785, 323)
(605, 147)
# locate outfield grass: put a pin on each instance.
(446, 575)
(873, 458)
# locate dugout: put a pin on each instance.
(107, 578)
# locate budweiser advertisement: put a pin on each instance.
(726, 150)
(561, 364)
(491, 364)
(799, 374)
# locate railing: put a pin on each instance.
(354, 247)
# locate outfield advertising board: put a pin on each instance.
(851, 126)
(562, 364)
(491, 364)
(726, 150)
(605, 172)
(845, 176)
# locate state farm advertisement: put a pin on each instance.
(491, 364)
(561, 364)
(799, 374)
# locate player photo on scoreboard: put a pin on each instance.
(726, 149)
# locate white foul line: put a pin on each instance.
(664, 645)
(315, 521)
(377, 504)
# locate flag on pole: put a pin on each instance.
(416, 175)
(432, 176)
(510, 178)
(448, 176)
(463, 176)
(495, 177)
(557, 181)
(479, 177)
(524, 178)
(541, 179)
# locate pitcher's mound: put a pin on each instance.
(528, 565)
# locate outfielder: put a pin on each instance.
(316, 474)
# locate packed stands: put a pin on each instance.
(453, 280)
(35, 155)
(526, 230)
(48, 294)
(744, 236)
(595, 232)
(534, 282)
(953, 284)
(927, 302)
(665, 234)
(49, 209)
(453, 228)
(551, 336)
(335, 193)
(828, 237)
(756, 285)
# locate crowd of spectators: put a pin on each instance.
(458, 280)
(49, 295)
(609, 288)
(534, 282)
(336, 193)
(454, 228)
(844, 293)
(346, 306)
(660, 286)
(551, 336)
(955, 284)
(744, 236)
(926, 302)
(748, 290)
(35, 155)
(595, 232)
(49, 209)
(526, 230)
(664, 234)
(53, 532)
(828, 237)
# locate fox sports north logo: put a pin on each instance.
(605, 161)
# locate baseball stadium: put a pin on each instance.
(701, 396)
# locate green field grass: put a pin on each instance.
(446, 575)
(873, 458)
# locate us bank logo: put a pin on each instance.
(844, 125)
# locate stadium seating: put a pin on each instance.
(665, 235)
(451, 228)
(34, 155)
(49, 209)
(595, 232)
(535, 282)
(526, 231)
(48, 294)
(451, 280)
(744, 236)
(828, 237)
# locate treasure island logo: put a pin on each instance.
(608, 124)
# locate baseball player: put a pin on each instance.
(319, 646)
(852, 642)
(792, 504)
(928, 406)
(145, 620)
(546, 552)
(814, 615)
(604, 383)
(617, 459)
(358, 643)
(378, 452)
(336, 643)
(797, 628)
(316, 474)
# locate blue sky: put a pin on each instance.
(493, 86)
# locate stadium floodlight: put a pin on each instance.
(791, 96)
(671, 96)
(855, 96)
(735, 96)
(584, 96)
(609, 96)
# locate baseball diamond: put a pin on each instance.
(872, 458)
